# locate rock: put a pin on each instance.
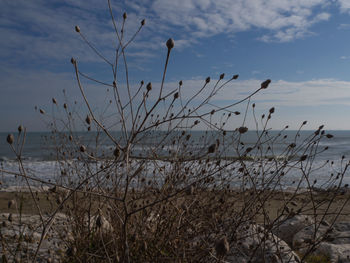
(26, 230)
(287, 228)
(100, 223)
(253, 243)
(307, 236)
(338, 253)
(334, 241)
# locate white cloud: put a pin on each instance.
(344, 5)
(286, 20)
(316, 92)
(43, 30)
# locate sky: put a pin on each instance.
(301, 45)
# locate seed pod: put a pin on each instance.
(176, 95)
(10, 139)
(54, 101)
(303, 158)
(329, 136)
(242, 130)
(272, 110)
(125, 15)
(99, 221)
(212, 148)
(149, 86)
(180, 82)
(170, 43)
(253, 105)
(77, 29)
(20, 128)
(142, 82)
(11, 203)
(65, 106)
(82, 148)
(73, 61)
(116, 153)
(88, 119)
(292, 145)
(190, 190)
(143, 22)
(265, 84)
(207, 80)
(42, 111)
(222, 75)
(237, 113)
(235, 76)
(304, 122)
(222, 247)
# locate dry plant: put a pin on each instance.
(141, 184)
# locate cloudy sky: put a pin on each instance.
(303, 46)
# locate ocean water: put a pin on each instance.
(39, 150)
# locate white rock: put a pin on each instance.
(254, 244)
(287, 228)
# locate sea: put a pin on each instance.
(38, 151)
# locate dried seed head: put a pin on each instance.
(272, 110)
(265, 84)
(242, 129)
(235, 76)
(190, 190)
(54, 101)
(180, 82)
(88, 119)
(176, 95)
(10, 138)
(42, 111)
(304, 122)
(125, 15)
(170, 43)
(149, 86)
(212, 112)
(82, 148)
(212, 148)
(253, 105)
(20, 128)
(329, 136)
(222, 75)
(292, 145)
(303, 158)
(116, 153)
(99, 221)
(237, 113)
(222, 247)
(73, 61)
(65, 106)
(207, 80)
(77, 29)
(142, 82)
(143, 22)
(11, 203)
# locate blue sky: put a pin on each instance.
(301, 45)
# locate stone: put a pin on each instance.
(253, 243)
(288, 227)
